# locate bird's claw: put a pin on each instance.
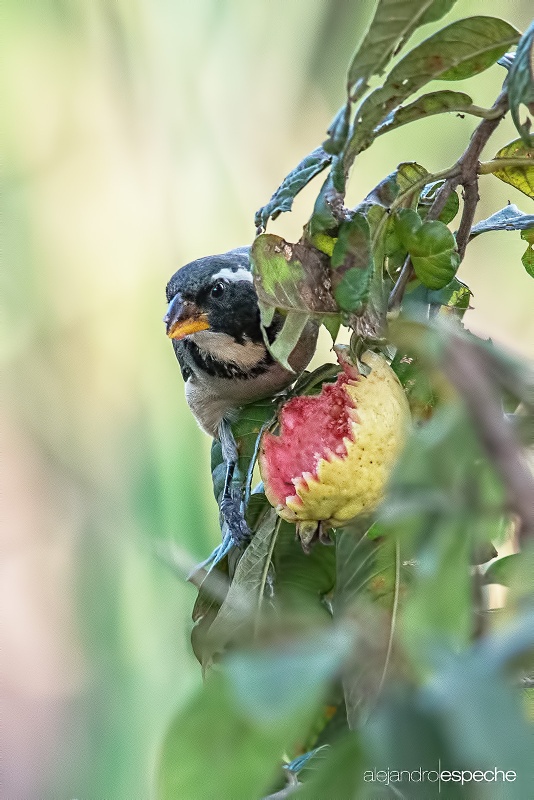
(237, 536)
(232, 514)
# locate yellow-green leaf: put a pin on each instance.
(522, 177)
(527, 259)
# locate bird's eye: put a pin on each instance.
(217, 289)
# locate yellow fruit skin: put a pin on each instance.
(348, 486)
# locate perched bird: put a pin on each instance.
(213, 320)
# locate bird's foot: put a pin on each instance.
(235, 531)
(232, 513)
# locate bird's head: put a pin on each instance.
(214, 294)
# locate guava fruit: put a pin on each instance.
(332, 457)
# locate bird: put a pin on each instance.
(213, 320)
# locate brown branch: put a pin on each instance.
(397, 293)
(464, 172)
(470, 198)
(467, 368)
(469, 160)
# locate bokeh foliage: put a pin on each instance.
(139, 136)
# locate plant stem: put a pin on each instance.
(471, 198)
(485, 113)
(468, 370)
(487, 167)
(397, 293)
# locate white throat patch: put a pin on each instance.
(240, 274)
(225, 348)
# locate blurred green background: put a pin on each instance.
(141, 134)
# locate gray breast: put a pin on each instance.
(212, 397)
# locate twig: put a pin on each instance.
(444, 193)
(397, 293)
(486, 113)
(467, 368)
(471, 198)
(488, 167)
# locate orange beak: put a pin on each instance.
(183, 318)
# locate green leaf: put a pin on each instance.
(277, 274)
(454, 295)
(474, 44)
(301, 580)
(443, 459)
(514, 374)
(257, 507)
(385, 244)
(295, 279)
(340, 776)
(408, 174)
(267, 683)
(527, 258)
(312, 382)
(209, 599)
(502, 570)
(520, 83)
(404, 735)
(428, 195)
(417, 384)
(392, 25)
(205, 741)
(432, 248)
(445, 501)
(291, 277)
(458, 51)
(366, 567)
(426, 106)
(509, 218)
(323, 219)
(437, 612)
(367, 591)
(472, 696)
(521, 581)
(405, 176)
(332, 325)
(228, 742)
(241, 608)
(288, 337)
(247, 427)
(338, 131)
(522, 177)
(298, 178)
(324, 243)
(352, 264)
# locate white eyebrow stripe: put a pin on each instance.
(240, 274)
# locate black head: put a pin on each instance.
(216, 294)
